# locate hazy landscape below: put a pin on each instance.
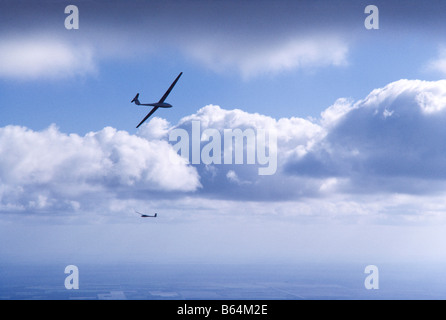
(220, 282)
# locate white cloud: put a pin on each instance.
(289, 131)
(44, 57)
(391, 141)
(332, 114)
(229, 181)
(237, 39)
(252, 58)
(49, 169)
(158, 129)
(40, 56)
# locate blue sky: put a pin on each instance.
(358, 116)
(130, 54)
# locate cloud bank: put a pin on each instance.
(51, 171)
(382, 156)
(267, 37)
(221, 36)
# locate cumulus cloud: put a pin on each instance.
(48, 169)
(44, 57)
(266, 144)
(392, 140)
(387, 146)
(383, 157)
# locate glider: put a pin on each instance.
(156, 105)
(146, 215)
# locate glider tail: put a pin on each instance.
(135, 99)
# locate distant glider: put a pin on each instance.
(146, 215)
(156, 105)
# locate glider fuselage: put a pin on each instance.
(160, 105)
